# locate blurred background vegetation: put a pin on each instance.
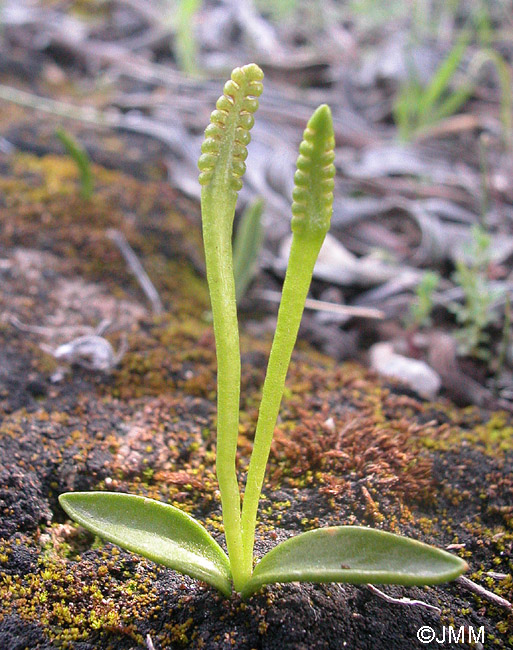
(421, 93)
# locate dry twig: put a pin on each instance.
(484, 593)
(137, 269)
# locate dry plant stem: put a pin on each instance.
(83, 113)
(351, 311)
(405, 602)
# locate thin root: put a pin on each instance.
(408, 602)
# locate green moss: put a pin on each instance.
(73, 600)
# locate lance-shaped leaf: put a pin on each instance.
(158, 531)
(355, 555)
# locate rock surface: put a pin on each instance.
(413, 372)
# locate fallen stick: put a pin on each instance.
(484, 593)
(350, 311)
(137, 269)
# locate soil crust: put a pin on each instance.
(349, 448)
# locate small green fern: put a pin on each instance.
(166, 535)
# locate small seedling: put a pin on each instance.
(82, 161)
(419, 106)
(422, 306)
(477, 312)
(171, 537)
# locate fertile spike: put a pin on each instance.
(313, 181)
(222, 166)
(311, 214)
(227, 135)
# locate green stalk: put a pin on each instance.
(303, 254)
(222, 295)
(222, 165)
(311, 210)
(82, 161)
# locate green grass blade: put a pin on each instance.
(186, 45)
(79, 155)
(157, 531)
(246, 247)
(452, 104)
(504, 74)
(404, 110)
(442, 77)
(354, 555)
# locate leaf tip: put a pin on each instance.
(63, 499)
(322, 120)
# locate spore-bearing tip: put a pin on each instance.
(314, 178)
(240, 94)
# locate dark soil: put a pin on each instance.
(348, 449)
